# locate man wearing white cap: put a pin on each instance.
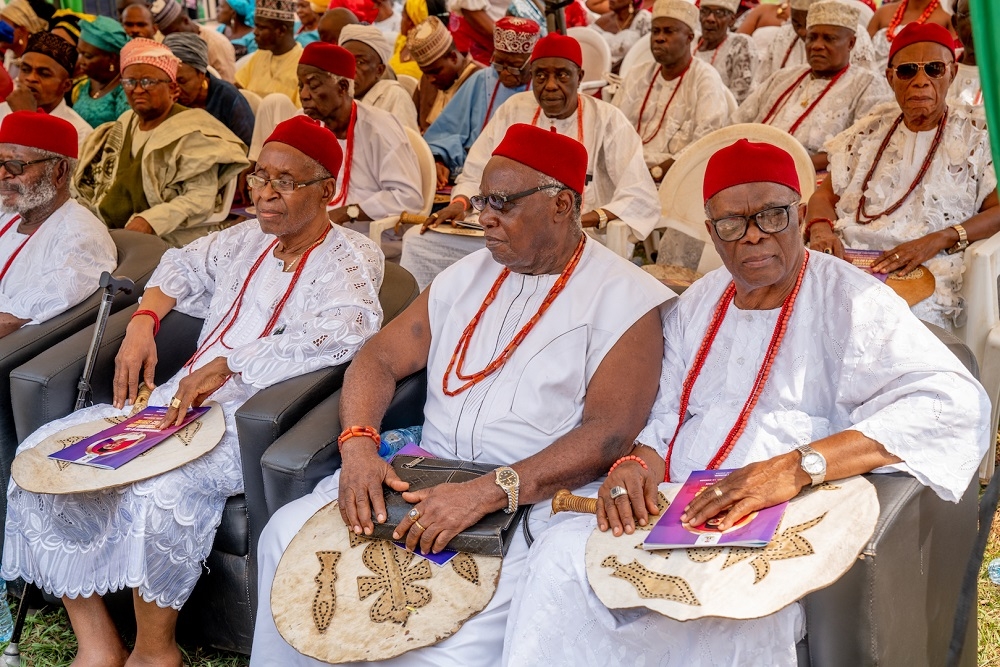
(818, 101)
(733, 54)
(452, 134)
(371, 58)
(444, 69)
(676, 99)
(788, 48)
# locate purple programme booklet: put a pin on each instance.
(864, 260)
(115, 446)
(755, 530)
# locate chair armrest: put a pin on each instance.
(378, 226)
(44, 388)
(308, 452)
(896, 605)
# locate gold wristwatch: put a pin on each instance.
(602, 218)
(508, 480)
(963, 240)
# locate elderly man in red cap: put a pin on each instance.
(314, 289)
(914, 180)
(160, 167)
(547, 405)
(52, 250)
(749, 383)
(452, 134)
(618, 186)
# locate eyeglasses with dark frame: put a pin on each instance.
(497, 202)
(145, 82)
(283, 186)
(500, 67)
(720, 13)
(770, 221)
(934, 69)
(16, 167)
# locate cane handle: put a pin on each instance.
(564, 501)
(141, 400)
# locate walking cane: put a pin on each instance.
(112, 286)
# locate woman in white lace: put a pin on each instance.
(622, 27)
(309, 302)
(891, 17)
(919, 184)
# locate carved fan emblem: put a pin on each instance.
(395, 574)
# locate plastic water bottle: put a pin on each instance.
(6, 622)
(994, 570)
(396, 439)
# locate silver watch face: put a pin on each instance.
(353, 210)
(813, 463)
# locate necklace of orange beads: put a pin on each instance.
(897, 18)
(458, 356)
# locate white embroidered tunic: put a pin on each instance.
(856, 92)
(153, 535)
(699, 107)
(58, 267)
(853, 357)
(620, 42)
(389, 95)
(959, 179)
(787, 43)
(736, 61)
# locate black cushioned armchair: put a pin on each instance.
(138, 255)
(220, 611)
(894, 607)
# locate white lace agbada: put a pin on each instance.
(58, 267)
(736, 61)
(953, 190)
(389, 95)
(853, 357)
(787, 50)
(967, 88)
(153, 535)
(620, 42)
(854, 95)
(700, 107)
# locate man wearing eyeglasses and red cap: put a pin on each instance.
(557, 320)
(762, 373)
(914, 180)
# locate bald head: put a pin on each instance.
(333, 21)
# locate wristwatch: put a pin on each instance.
(656, 172)
(813, 463)
(963, 240)
(353, 211)
(602, 218)
(508, 480)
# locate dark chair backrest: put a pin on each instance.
(399, 289)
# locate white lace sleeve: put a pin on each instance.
(663, 418)
(188, 274)
(741, 62)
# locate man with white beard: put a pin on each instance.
(52, 249)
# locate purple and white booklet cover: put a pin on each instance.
(445, 555)
(115, 446)
(754, 530)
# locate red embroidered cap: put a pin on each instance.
(329, 58)
(915, 32)
(312, 138)
(551, 153)
(37, 129)
(554, 45)
(748, 162)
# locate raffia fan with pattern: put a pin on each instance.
(819, 538)
(339, 597)
(34, 471)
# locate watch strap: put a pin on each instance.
(602, 218)
(963, 240)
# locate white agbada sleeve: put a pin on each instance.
(385, 176)
(187, 274)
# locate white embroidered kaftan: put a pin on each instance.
(700, 106)
(389, 95)
(58, 267)
(620, 181)
(853, 357)
(959, 179)
(620, 42)
(856, 92)
(736, 61)
(153, 535)
(787, 43)
(536, 398)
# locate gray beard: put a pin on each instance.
(29, 199)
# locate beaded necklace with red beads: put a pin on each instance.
(458, 356)
(233, 314)
(18, 249)
(579, 118)
(788, 53)
(758, 386)
(642, 109)
(715, 53)
(784, 97)
(897, 18)
(345, 184)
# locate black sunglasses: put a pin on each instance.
(934, 69)
(16, 167)
(770, 221)
(497, 202)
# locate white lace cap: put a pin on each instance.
(731, 5)
(833, 12)
(801, 5)
(683, 11)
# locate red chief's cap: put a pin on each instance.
(554, 45)
(312, 138)
(915, 32)
(551, 153)
(37, 129)
(748, 162)
(329, 58)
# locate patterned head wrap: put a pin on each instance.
(244, 9)
(515, 35)
(190, 48)
(429, 41)
(165, 12)
(104, 34)
(68, 21)
(370, 36)
(142, 51)
(278, 10)
(416, 10)
(54, 47)
(20, 12)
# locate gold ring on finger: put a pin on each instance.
(718, 492)
(417, 524)
(414, 514)
(175, 403)
(896, 255)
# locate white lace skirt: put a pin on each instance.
(152, 535)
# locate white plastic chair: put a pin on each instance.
(428, 185)
(222, 212)
(639, 54)
(408, 82)
(253, 99)
(596, 58)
